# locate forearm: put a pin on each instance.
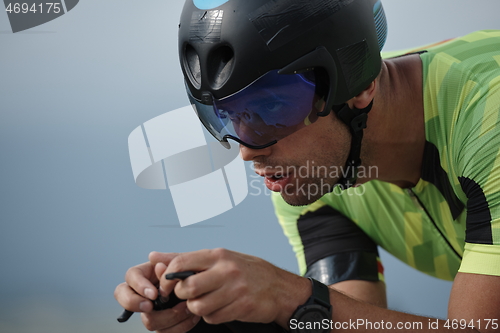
(349, 314)
(372, 292)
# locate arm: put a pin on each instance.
(234, 286)
(365, 291)
(334, 249)
(474, 297)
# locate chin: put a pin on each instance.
(308, 193)
(299, 201)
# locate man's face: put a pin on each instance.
(306, 164)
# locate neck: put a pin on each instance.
(395, 136)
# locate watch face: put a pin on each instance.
(311, 319)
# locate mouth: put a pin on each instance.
(275, 182)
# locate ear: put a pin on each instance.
(364, 98)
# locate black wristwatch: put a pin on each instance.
(315, 315)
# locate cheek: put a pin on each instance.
(330, 143)
(326, 142)
(328, 134)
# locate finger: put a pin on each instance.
(211, 303)
(223, 315)
(142, 280)
(198, 260)
(218, 308)
(160, 269)
(199, 284)
(130, 300)
(166, 258)
(167, 319)
(223, 272)
(224, 310)
(193, 261)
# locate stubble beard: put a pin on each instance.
(304, 191)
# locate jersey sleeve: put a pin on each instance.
(462, 114)
(478, 161)
(329, 247)
(468, 99)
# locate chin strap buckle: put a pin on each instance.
(359, 122)
(356, 120)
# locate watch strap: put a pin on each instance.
(320, 294)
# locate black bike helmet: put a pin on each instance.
(321, 51)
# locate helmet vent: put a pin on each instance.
(206, 26)
(220, 66)
(192, 66)
(353, 60)
(380, 24)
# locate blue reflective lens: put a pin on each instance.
(269, 109)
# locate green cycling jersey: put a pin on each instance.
(450, 221)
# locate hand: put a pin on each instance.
(137, 293)
(233, 286)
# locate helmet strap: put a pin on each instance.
(355, 119)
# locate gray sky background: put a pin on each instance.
(72, 218)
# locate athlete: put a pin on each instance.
(302, 87)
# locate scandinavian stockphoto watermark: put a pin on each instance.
(320, 176)
(27, 14)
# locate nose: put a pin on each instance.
(249, 154)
